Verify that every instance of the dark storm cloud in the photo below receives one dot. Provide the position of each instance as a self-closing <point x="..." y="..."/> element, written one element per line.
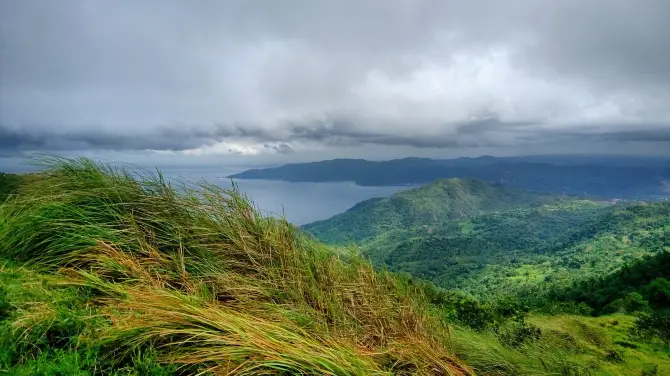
<point x="265" y="76"/>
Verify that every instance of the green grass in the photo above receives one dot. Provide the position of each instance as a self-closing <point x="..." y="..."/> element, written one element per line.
<point x="203" y="281"/>
<point x="111" y="271"/>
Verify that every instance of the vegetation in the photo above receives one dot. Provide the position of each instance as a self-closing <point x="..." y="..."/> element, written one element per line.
<point x="504" y="239"/>
<point x="640" y="285"/>
<point x="9" y="183"/>
<point x="107" y="271"/>
<point x="433" y="205"/>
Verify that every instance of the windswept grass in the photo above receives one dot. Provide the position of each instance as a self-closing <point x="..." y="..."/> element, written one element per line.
<point x="197" y="276"/>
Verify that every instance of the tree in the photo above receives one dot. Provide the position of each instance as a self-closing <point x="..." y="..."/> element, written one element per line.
<point x="659" y="292"/>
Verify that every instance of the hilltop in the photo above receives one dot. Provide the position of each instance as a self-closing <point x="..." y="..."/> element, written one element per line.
<point x="430" y="205"/>
<point x="600" y="177"/>
<point x="111" y="271"/>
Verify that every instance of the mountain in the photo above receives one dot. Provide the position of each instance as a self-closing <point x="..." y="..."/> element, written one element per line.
<point x="602" y="177"/>
<point x="105" y="271"/>
<point x="483" y="239"/>
<point x="430" y="205"/>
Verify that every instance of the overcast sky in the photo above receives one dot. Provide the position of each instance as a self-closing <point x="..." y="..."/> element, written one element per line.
<point x="252" y="81"/>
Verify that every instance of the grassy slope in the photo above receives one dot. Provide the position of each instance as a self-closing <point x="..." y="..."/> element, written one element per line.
<point x="210" y="284"/>
<point x="126" y="276"/>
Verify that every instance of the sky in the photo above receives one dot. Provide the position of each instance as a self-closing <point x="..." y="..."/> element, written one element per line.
<point x="258" y="82"/>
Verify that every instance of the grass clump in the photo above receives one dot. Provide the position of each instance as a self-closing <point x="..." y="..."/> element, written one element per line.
<point x="192" y="277"/>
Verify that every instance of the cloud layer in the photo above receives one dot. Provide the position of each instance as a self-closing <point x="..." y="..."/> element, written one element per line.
<point x="253" y="77"/>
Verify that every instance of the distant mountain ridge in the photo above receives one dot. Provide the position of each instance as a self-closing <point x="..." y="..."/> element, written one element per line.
<point x="601" y="177"/>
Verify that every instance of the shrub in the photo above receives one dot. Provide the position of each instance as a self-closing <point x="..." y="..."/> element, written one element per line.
<point x="659" y="292"/>
<point x="517" y="334"/>
<point x="614" y="356"/>
<point x="650" y="370"/>
<point x="652" y="326"/>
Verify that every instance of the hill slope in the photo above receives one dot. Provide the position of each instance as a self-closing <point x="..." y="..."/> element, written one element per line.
<point x="503" y="251"/>
<point x="431" y="205"/>
<point x="467" y="235"/>
<point x="591" y="177"/>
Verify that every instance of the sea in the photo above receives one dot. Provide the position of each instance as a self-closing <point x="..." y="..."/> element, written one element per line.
<point x="300" y="203"/>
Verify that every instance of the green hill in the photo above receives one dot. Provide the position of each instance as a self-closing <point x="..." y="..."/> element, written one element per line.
<point x="431" y="205"/>
<point x="111" y="272"/>
<point x="483" y="239"/>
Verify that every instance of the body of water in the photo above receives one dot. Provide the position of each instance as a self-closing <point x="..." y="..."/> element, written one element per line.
<point x="302" y="203"/>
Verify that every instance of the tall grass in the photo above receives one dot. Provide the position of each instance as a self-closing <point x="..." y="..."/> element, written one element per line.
<point x="197" y="273"/>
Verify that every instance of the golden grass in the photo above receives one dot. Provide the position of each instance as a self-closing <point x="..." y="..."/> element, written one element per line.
<point x="200" y="275"/>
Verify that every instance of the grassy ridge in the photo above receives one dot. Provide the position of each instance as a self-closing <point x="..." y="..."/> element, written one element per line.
<point x="200" y="279"/>
<point x="115" y="272"/>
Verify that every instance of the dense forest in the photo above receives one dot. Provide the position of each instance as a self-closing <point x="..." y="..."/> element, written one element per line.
<point x="103" y="271"/>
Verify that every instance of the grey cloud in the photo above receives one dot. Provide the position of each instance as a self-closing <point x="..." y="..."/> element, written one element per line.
<point x="335" y="133"/>
<point x="174" y="75"/>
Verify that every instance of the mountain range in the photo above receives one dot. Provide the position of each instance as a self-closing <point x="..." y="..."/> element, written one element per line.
<point x="586" y="176"/>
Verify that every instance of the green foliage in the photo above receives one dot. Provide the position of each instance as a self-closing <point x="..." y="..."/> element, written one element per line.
<point x="517" y="334"/>
<point x="653" y="326"/>
<point x="9" y="183"/>
<point x="650" y="370"/>
<point x="659" y="292"/>
<point x="538" y="241"/>
<point x="432" y="206"/>
<point x="636" y="286"/>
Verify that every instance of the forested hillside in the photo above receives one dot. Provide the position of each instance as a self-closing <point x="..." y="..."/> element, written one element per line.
<point x="508" y="239"/>
<point x="433" y="205"/>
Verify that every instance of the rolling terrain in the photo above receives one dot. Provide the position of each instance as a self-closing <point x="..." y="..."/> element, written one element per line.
<point x="468" y="235"/>
<point x="106" y="271"/>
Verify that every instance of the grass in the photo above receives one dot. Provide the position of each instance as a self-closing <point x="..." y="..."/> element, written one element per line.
<point x="113" y="271"/>
<point x="195" y="275"/>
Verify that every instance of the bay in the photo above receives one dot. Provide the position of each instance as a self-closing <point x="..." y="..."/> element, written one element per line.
<point x="301" y="203"/>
